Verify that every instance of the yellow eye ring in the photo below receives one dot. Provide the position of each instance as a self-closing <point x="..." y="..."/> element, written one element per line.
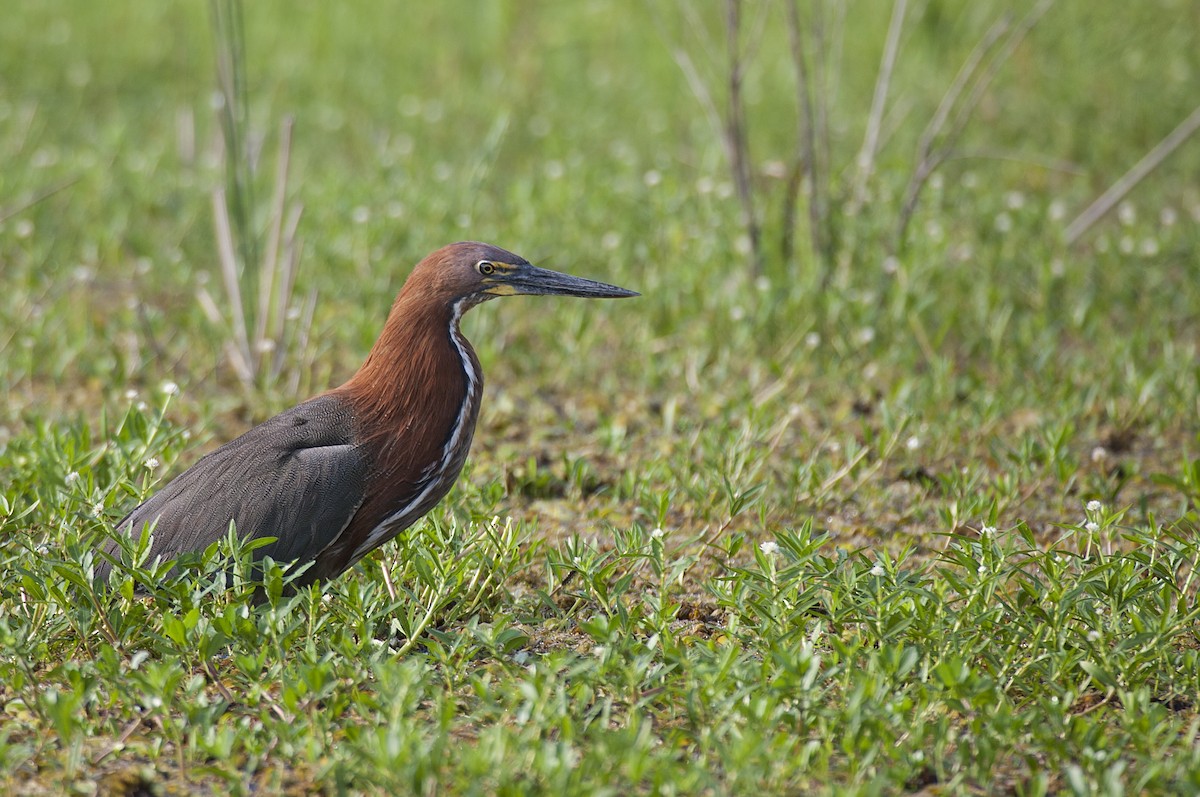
<point x="485" y="268"/>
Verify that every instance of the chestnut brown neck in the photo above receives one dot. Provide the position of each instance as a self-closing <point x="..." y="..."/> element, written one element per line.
<point x="410" y="391"/>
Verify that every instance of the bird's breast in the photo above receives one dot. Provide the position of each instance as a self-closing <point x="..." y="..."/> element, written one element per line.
<point x="417" y="446"/>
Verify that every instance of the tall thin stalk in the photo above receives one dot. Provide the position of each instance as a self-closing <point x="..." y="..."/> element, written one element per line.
<point x="737" y="141"/>
<point x="730" y="127"/>
<point x="836" y="193"/>
<point x="807" y="169"/>
<point x="258" y="274"/>
<point x="941" y="135"/>
<point x="1149" y="162"/>
<point x="883" y="81"/>
<point x="233" y="113"/>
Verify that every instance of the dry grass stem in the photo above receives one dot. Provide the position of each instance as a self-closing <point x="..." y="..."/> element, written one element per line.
<point x="977" y="73"/>
<point x="1118" y="190"/>
<point x="870" y="145"/>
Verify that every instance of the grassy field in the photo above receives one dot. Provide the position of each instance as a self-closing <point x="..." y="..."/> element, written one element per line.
<point x="915" y="517"/>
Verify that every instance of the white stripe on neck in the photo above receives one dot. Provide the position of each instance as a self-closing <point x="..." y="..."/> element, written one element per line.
<point x="432" y="476"/>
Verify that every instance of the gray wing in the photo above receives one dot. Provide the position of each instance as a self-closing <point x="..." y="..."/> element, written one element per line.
<point x="297" y="477"/>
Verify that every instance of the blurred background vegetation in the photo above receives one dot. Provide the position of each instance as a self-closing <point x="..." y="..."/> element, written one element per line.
<point x="569" y="133"/>
<point x="679" y="458"/>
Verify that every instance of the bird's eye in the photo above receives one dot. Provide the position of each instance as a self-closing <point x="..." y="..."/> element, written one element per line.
<point x="485" y="268"/>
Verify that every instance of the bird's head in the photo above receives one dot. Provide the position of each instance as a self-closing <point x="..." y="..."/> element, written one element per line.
<point x="476" y="272"/>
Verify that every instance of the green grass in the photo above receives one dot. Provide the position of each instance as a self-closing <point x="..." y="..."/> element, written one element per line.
<point x="929" y="528"/>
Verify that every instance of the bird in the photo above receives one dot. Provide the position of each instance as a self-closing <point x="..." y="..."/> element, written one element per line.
<point x="344" y="472"/>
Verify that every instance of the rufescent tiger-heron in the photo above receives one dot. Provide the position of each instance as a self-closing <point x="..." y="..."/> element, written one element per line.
<point x="342" y="473"/>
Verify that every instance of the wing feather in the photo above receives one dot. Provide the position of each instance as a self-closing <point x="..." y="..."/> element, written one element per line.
<point x="298" y="477"/>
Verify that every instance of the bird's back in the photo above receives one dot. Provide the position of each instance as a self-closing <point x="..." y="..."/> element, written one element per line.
<point x="299" y="477"/>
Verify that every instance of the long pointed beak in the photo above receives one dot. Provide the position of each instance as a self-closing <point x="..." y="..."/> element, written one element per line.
<point x="542" y="281"/>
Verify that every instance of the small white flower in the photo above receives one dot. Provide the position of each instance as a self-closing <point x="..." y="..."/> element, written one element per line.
<point x="1015" y="200"/>
<point x="97" y="510"/>
<point x="775" y="169"/>
<point x="130" y="394"/>
<point x="657" y="533"/>
<point x="1168" y="216"/>
<point x="1099" y="454"/>
<point x="1092" y="526"/>
<point x="610" y="240"/>
<point x="169" y="388"/>
<point x="141" y="406"/>
<point x="912" y="443"/>
<point x="987" y="531"/>
<point x="361" y="214"/>
<point x="43" y="158"/>
<point x="770" y="547"/>
<point x="1126" y="213"/>
<point x="1004" y="223"/>
<point x="151" y="463"/>
<point x="1094" y="506"/>
<point x="555" y="170"/>
<point x="865" y="335"/>
<point x="1148" y="247"/>
<point x="652" y="178"/>
<point x="1093" y="635"/>
<point x="877" y="570"/>
<point x="1057" y="210"/>
<point x="71" y="477"/>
